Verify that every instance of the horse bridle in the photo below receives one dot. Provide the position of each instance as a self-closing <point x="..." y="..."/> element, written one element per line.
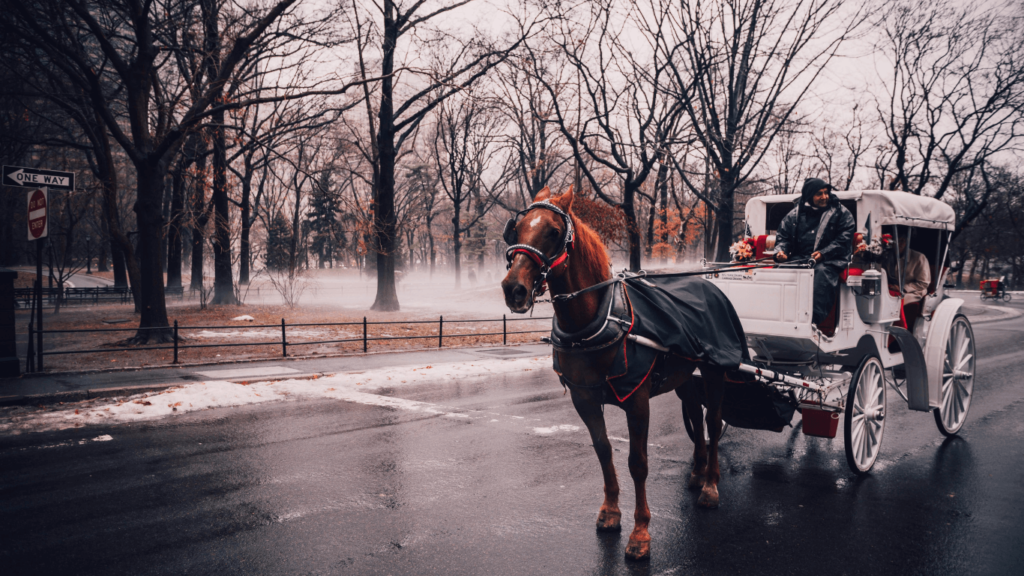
<point x="545" y="264"/>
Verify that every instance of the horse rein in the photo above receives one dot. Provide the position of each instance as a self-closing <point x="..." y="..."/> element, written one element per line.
<point x="545" y="264"/>
<point x="626" y="274"/>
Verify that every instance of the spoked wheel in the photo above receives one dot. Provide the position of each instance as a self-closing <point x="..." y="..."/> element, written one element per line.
<point x="689" y="425"/>
<point x="957" y="377"/>
<point x="865" y="415"/>
<point x="1007" y="297"/>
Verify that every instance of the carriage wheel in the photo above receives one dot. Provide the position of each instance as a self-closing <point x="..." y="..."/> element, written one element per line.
<point x="865" y="415"/>
<point x="1007" y="297"/>
<point x="689" y="425"/>
<point x="957" y="377"/>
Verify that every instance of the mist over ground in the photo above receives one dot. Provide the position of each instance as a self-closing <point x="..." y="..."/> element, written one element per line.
<point x="420" y="293"/>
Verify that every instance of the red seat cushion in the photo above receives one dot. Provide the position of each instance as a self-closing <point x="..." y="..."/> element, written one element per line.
<point x="760" y="244"/>
<point x="850" y="272"/>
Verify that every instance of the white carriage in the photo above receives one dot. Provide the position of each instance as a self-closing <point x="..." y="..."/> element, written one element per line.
<point x="844" y="366"/>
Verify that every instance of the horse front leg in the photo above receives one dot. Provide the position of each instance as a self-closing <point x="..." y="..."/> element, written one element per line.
<point x="609" y="517"/>
<point x="638" y="417"/>
<point x="714" y="390"/>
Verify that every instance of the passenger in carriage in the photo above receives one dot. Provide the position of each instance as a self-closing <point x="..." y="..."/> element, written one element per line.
<point x="917" y="276"/>
<point x="819" y="228"/>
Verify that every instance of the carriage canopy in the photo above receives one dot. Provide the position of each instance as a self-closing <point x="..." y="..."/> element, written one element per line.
<point x="885" y="207"/>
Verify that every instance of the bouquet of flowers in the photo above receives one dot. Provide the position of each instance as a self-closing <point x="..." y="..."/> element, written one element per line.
<point x="743" y="250"/>
<point x="871" y="252"/>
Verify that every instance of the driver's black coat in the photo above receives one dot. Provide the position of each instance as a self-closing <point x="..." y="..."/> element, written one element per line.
<point x="807" y="229"/>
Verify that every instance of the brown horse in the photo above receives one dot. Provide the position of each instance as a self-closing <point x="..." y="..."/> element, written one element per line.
<point x="585" y="263"/>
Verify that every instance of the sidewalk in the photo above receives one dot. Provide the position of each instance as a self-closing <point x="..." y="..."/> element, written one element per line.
<point x="51" y="388"/>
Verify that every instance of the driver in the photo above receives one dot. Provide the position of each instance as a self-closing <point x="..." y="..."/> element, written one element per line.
<point x="819" y="228"/>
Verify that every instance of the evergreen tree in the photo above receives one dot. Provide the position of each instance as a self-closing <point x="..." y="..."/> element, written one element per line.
<point x="279" y="241"/>
<point x="326" y="236"/>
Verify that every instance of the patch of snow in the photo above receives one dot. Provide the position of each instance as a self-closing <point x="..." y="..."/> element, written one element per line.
<point x="554" y="429"/>
<point x="243" y="318"/>
<point x="358" y="387"/>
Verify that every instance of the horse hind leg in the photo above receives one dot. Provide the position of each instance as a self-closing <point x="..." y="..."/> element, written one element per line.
<point x="693" y="411"/>
<point x="609" y="517"/>
<point x="714" y="389"/>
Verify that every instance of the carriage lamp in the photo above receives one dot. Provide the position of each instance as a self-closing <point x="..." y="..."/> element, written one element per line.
<point x="870" y="283"/>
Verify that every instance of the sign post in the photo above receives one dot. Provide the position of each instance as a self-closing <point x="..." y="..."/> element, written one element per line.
<point x="39" y="228"/>
<point x="38" y="223"/>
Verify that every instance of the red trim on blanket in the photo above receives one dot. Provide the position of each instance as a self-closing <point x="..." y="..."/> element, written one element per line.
<point x="625" y="357"/>
<point x="638" y="385"/>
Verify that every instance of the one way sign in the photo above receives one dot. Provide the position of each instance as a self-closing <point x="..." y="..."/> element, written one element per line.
<point x="34" y="178"/>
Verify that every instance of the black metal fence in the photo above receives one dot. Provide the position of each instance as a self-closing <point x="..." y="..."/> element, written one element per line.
<point x="34" y="362"/>
<point x="83" y="296"/>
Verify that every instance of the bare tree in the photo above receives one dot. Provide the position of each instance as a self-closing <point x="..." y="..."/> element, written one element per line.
<point x="624" y="122"/>
<point x="98" y="44"/>
<point x="462" y="146"/>
<point x="954" y="97"/>
<point x="740" y="69"/>
<point x="399" y="112"/>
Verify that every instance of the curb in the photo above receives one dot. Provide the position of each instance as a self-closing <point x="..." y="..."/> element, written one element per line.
<point x="25" y="376"/>
<point x="81" y="395"/>
<point x="1004" y="314"/>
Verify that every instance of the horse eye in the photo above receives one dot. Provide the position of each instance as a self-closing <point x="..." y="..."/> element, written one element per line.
<point x="554" y="233"/>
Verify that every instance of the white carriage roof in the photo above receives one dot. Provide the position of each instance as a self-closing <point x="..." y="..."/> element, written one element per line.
<point x="886" y="208"/>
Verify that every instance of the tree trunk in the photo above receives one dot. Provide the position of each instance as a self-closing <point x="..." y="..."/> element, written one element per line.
<point x="244" y="249"/>
<point x="199" y="217"/>
<point x="101" y="259"/>
<point x="122" y="251"/>
<point x="153" y="324"/>
<point x="724" y="217"/>
<point x="632" y="229"/>
<point x="433" y="250"/>
<point x="384" y="219"/>
<point x="457" y="245"/>
<point x="174" y="226"/>
<point x="117" y="261"/>
<point x="224" y="287"/>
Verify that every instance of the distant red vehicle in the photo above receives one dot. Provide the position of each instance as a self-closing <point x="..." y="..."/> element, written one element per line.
<point x="994" y="289"/>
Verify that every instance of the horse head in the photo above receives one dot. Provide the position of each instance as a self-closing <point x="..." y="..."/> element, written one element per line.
<point x="539" y="246"/>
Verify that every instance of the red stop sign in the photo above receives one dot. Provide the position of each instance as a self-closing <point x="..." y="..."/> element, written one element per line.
<point x="37" y="209"/>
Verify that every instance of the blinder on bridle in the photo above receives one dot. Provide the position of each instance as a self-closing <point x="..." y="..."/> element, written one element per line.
<point x="545" y="264"/>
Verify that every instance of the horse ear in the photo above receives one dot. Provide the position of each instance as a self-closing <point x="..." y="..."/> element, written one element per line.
<point x="544" y="194"/>
<point x="565" y="200"/>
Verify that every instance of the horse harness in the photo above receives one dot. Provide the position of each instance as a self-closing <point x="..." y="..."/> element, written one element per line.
<point x="545" y="264"/>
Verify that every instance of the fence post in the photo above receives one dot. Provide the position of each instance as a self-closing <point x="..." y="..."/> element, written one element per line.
<point x="30" y="354"/>
<point x="364" y="334"/>
<point x="284" y="341"/>
<point x="440" y="332"/>
<point x="175" y="341"/>
<point x="504" y="330"/>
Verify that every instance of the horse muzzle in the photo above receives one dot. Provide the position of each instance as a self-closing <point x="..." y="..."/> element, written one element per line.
<point x="518" y="297"/>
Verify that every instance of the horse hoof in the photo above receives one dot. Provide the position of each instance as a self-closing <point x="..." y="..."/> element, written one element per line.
<point x="696" y="481"/>
<point x="638" y="550"/>
<point x="708" y="497"/>
<point x="609" y="521"/>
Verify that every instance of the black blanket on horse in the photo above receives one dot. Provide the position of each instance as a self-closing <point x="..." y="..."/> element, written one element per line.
<point x="688" y="315"/>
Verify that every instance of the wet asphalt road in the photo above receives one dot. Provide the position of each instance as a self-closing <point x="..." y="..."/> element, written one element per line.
<point x="330" y="487"/>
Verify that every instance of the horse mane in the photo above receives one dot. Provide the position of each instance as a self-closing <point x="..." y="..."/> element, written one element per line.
<point x="590" y="254"/>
